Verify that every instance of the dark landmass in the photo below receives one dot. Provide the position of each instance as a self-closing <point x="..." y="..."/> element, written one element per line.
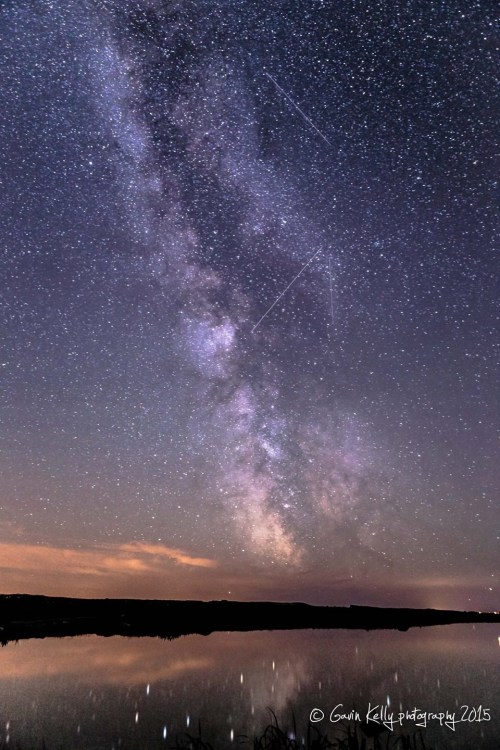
<point x="23" y="616"/>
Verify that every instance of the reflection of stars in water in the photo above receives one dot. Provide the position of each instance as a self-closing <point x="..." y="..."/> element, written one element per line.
<point x="280" y="670"/>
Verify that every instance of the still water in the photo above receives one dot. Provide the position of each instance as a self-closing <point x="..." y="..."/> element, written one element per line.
<point x="94" y="692"/>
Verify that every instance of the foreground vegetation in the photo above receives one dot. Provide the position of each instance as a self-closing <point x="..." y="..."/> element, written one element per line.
<point x="349" y="737"/>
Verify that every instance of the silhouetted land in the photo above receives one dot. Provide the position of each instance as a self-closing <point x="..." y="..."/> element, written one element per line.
<point x="23" y="616"/>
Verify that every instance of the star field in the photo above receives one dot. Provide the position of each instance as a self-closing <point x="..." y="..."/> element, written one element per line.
<point x="168" y="169"/>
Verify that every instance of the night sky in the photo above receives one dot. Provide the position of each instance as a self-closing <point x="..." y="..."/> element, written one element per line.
<point x="168" y="170"/>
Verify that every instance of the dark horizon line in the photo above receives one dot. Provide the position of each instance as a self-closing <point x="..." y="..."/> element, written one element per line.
<point x="36" y="616"/>
<point x="48" y="597"/>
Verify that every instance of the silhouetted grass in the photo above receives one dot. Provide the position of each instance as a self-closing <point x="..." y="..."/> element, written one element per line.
<point x="275" y="738"/>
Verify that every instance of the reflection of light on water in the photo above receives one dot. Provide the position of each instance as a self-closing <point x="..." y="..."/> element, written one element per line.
<point x="233" y="671"/>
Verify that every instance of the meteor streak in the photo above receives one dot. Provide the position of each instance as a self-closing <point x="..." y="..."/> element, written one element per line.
<point x="285" y="290"/>
<point x="294" y="104"/>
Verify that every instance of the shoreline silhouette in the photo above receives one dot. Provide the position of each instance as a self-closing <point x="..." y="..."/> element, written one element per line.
<point x="25" y="616"/>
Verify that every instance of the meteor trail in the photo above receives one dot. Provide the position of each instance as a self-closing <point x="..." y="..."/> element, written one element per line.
<point x="285" y="290"/>
<point x="303" y="114"/>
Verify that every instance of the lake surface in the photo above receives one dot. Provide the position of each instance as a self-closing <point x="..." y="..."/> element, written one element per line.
<point x="94" y="692"/>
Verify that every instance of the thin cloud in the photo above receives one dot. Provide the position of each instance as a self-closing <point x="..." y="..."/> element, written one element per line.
<point x="158" y="550"/>
<point x="123" y="559"/>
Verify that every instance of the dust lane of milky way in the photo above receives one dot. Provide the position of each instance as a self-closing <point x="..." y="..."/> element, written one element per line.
<point x="172" y="422"/>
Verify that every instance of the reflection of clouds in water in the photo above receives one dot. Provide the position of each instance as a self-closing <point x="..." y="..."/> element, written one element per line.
<point x="113" y="661"/>
<point x="284" y="659"/>
<point x="217" y="680"/>
<point x="132" y="662"/>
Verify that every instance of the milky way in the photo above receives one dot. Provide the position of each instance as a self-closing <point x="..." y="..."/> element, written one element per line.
<point x="250" y="289"/>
